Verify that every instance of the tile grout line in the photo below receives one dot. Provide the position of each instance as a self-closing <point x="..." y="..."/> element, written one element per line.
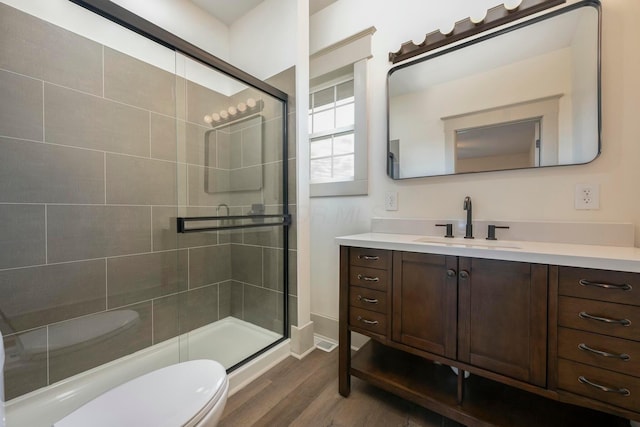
<point x="44" y="139"/>
<point x="104" y="166"/>
<point x="106" y="284"/>
<point x="48" y="359"/>
<point x="46" y="236"/>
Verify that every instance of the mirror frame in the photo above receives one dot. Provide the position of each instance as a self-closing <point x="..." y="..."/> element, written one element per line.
<point x="501" y="31"/>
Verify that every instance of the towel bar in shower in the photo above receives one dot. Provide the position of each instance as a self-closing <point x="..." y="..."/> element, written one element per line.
<point x="257" y="221"/>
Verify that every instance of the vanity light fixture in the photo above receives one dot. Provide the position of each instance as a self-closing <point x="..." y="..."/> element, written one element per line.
<point x="478" y="15"/>
<point x="447" y="28"/>
<point x="233" y="113"/>
<point x="502" y="14"/>
<point x="512" y="5"/>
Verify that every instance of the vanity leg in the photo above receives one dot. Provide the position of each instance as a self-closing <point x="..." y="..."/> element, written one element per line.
<point x="460" y="386"/>
<point x="344" y="339"/>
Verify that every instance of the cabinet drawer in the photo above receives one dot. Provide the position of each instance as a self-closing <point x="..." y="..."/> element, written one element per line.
<point x="368" y="320"/>
<point x="578" y="313"/>
<point x="368" y="299"/>
<point x="369" y="278"/>
<point x="600" y="350"/>
<point x="374" y="258"/>
<point x="606" y="386"/>
<point x="601" y="285"/>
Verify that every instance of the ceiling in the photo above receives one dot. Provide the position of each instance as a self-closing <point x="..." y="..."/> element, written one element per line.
<point x="229" y="11"/>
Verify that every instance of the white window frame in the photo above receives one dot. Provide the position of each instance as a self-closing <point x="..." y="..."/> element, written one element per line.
<point x="336" y="131"/>
<point x="352" y="52"/>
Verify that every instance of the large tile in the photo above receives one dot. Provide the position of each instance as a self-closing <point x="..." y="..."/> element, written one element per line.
<point x="246" y="179"/>
<point x="36" y="296"/>
<point x="137" y="181"/>
<point x="293" y="272"/>
<point x="137" y="278"/>
<point x="164" y="137"/>
<point x="21" y="107"/>
<point x="77" y="119"/>
<point x="231" y="299"/>
<point x="22" y="372"/>
<point x="67" y="360"/>
<point x="202" y="101"/>
<point x="273" y="140"/>
<point x="286" y="82"/>
<point x="134" y="82"/>
<point x="272" y="269"/>
<point x="165" y="229"/>
<point x="273" y="183"/>
<point x="292" y="174"/>
<point x="23" y="240"/>
<point x="86" y="232"/>
<point x="252" y="142"/>
<point x="261" y="307"/>
<point x="207" y="186"/>
<point x="200" y="145"/>
<point x="208" y="265"/>
<point x="176" y="314"/>
<point x="44" y="51"/>
<point x="246" y="264"/>
<point x="32" y="172"/>
<point x="223" y="149"/>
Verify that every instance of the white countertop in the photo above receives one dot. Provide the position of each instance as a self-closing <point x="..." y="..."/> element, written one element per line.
<point x="575" y="255"/>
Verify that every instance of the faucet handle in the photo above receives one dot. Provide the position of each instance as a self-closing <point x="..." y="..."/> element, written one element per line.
<point x="491" y="232"/>
<point x="449" y="229"/>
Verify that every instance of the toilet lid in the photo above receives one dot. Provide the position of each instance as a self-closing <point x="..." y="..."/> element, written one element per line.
<point x="168" y="397"/>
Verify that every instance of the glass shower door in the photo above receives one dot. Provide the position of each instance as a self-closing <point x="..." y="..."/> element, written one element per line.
<point x="232" y="214"/>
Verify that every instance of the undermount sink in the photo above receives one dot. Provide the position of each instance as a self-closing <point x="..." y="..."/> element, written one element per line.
<point x="470" y="243"/>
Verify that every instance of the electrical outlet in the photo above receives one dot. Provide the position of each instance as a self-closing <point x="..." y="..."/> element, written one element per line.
<point x="391" y="201"/>
<point x="587" y="196"/>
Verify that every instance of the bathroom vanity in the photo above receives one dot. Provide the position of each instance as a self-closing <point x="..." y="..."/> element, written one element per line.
<point x="549" y="332"/>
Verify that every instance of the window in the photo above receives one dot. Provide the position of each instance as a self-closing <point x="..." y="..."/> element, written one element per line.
<point x="332" y="128"/>
<point x="338" y="118"/>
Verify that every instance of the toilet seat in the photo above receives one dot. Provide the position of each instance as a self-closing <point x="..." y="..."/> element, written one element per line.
<point x="179" y="395"/>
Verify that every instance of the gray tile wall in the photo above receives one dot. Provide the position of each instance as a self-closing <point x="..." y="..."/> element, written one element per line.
<point x="95" y="155"/>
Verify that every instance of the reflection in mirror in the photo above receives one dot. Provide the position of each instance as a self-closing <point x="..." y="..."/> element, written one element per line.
<point x="526" y="96"/>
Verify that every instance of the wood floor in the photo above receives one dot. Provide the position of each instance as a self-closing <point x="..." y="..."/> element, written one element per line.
<point x="305" y="393"/>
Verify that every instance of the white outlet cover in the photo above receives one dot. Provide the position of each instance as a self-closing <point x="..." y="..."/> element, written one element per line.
<point x="587" y="196"/>
<point x="391" y="201"/>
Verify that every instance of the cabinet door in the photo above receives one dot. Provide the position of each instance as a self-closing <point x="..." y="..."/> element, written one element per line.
<point x="424" y="302"/>
<point x="502" y="317"/>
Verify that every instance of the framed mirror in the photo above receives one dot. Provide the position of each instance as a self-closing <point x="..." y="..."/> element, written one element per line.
<point x="525" y="96"/>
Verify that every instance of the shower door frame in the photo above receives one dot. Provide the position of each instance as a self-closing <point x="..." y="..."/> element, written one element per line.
<point x="139" y="25"/>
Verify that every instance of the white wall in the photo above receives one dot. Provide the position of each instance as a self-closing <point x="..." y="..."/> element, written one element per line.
<point x="527" y="195"/>
<point x="263" y="42"/>
<point x="185" y="20"/>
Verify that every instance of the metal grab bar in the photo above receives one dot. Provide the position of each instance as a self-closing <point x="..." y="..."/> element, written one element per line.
<point x="285" y="220"/>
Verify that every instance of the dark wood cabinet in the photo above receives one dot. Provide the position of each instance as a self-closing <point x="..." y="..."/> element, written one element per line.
<point x="424" y="302"/>
<point x="502" y="318"/>
<point x="516" y="327"/>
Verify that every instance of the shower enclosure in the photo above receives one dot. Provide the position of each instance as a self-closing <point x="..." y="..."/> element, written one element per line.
<point x="144" y="198"/>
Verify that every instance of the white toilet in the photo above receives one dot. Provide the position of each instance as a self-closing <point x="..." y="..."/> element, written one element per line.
<point x="188" y="394"/>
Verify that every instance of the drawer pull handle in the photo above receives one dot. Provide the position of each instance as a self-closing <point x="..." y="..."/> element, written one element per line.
<point x="622" y="322"/>
<point x="368" y="278"/>
<point x="622" y="287"/>
<point x="622" y="391"/>
<point x="623" y="356"/>
<point x="366" y="321"/>
<point x="369" y="257"/>
<point x="367" y="300"/>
